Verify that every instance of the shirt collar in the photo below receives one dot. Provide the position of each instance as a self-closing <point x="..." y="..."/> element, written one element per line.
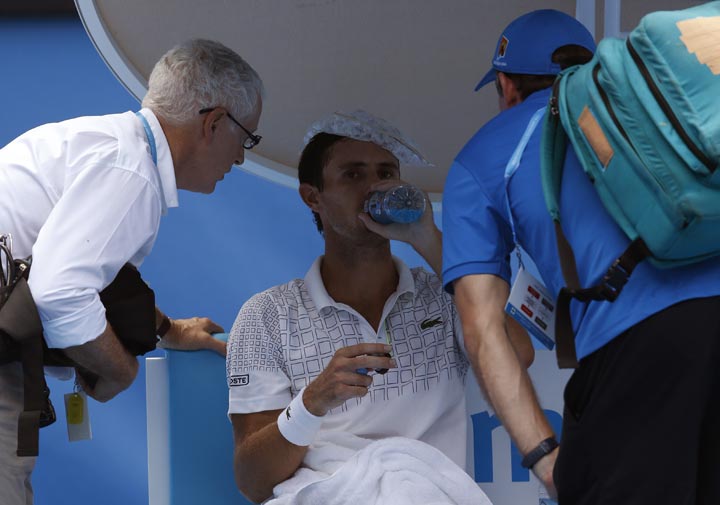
<point x="166" y="169"/>
<point x="321" y="298"/>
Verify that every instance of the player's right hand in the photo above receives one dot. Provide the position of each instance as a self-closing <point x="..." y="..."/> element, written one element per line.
<point x="342" y="378"/>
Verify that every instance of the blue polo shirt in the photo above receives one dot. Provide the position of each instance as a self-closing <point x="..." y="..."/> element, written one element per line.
<point x="477" y="237"/>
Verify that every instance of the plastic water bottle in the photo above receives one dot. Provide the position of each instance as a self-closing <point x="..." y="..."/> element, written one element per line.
<point x="402" y="204"/>
<point x="544" y="497"/>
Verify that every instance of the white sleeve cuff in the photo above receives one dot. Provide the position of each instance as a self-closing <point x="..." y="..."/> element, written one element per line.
<point x="77" y="328"/>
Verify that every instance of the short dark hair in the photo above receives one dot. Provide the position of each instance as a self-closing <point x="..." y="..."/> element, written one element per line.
<point x="312" y="161"/>
<point x="565" y="56"/>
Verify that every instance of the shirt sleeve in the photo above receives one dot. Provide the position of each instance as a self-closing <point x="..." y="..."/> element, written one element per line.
<point x="256" y="366"/>
<point x="103" y="219"/>
<point x="476" y="236"/>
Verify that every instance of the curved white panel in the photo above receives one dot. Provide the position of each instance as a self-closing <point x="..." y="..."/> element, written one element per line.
<point x="136" y="84"/>
<point x="415" y="64"/>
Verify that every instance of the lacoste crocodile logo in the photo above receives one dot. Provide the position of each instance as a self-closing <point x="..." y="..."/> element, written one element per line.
<point x="429" y="323"/>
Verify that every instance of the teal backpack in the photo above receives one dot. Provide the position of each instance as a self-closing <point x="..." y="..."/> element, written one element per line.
<point x="643" y="117"/>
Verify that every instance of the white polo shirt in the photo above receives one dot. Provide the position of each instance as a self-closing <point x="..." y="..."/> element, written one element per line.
<point x="284" y="337"/>
<point x="83" y="197"/>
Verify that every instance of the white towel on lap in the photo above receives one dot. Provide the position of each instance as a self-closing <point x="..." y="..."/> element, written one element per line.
<point x="342" y="469"/>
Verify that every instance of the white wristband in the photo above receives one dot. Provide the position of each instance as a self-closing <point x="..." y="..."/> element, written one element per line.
<point x="297" y="424"/>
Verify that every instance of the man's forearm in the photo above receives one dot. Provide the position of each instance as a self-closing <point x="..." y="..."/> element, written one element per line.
<point x="106" y="358"/>
<point x="264" y="460"/>
<point x="430" y="248"/>
<point x="508" y="387"/>
<point x="480" y="300"/>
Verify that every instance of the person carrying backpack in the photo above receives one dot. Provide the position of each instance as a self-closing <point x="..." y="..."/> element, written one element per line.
<point x="641" y="416"/>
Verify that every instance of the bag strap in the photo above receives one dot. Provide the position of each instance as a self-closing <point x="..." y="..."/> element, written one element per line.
<point x="552" y="154"/>
<point x="20" y="319"/>
<point x="126" y="298"/>
<point x="554" y="148"/>
<point x="552" y="164"/>
<point x="608" y="289"/>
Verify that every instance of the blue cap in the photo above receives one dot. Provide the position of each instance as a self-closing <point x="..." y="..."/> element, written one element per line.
<point x="527" y="44"/>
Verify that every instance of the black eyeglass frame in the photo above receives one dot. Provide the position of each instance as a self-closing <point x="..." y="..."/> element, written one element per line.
<point x="251" y="141"/>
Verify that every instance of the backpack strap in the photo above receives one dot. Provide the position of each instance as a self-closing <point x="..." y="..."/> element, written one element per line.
<point x="554" y="148"/>
<point x="552" y="163"/>
<point x="608" y="289"/>
<point x="552" y="154"/>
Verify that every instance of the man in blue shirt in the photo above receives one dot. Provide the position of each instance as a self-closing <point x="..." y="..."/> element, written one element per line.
<point x="640" y="415"/>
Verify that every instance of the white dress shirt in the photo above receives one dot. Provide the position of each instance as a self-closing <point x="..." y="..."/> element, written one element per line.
<point x="83" y="197"/>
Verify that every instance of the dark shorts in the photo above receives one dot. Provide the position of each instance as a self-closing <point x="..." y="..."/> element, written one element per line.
<point x="642" y="414"/>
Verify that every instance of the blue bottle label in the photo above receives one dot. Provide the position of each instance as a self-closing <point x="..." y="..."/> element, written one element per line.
<point x="401" y="204"/>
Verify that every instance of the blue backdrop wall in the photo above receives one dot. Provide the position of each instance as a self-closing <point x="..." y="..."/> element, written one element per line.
<point x="213" y="252"/>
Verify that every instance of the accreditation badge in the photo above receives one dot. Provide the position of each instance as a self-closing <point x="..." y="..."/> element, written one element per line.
<point x="531" y="304"/>
<point x="77" y="415"/>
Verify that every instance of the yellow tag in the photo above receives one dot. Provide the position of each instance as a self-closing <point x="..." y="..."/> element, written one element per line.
<point x="77" y="416"/>
<point x="75" y="408"/>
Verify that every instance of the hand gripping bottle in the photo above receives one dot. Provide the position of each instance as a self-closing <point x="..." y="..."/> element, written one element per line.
<point x="402" y="204"/>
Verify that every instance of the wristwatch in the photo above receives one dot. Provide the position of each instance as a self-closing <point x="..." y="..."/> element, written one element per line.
<point x="543" y="449"/>
<point x="163" y="328"/>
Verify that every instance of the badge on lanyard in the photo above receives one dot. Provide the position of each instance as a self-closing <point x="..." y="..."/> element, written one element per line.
<point x="532" y="306"/>
<point x="530" y="302"/>
<point x="76" y="415"/>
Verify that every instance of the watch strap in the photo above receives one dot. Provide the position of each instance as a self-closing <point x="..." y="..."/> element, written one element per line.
<point x="543" y="449"/>
<point x="164" y="327"/>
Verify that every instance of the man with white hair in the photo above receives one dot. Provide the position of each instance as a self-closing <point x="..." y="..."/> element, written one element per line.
<point x="306" y="414"/>
<point x="98" y="187"/>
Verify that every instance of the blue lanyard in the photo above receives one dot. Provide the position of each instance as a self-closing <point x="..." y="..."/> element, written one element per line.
<point x="513" y="165"/>
<point x="150" y="136"/>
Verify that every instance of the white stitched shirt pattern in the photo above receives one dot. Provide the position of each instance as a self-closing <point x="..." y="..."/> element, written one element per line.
<point x="284" y="337"/>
